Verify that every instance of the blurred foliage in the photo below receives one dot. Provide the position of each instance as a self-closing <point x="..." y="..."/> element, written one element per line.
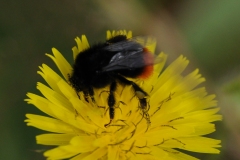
<point x="207" y="32"/>
<point x="233" y="87"/>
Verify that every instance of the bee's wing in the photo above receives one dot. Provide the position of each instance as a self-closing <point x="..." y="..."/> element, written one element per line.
<point x="125" y="60"/>
<point x="130" y="55"/>
<point x="131" y="44"/>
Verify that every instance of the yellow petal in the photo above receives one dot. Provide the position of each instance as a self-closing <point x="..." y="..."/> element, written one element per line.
<point x="62" y="64"/>
<point x="48" y="124"/>
<point x="54" y="139"/>
<point x="50" y="77"/>
<point x="98" y="153"/>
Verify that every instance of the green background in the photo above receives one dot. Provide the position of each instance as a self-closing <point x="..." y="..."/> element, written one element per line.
<point x="207" y="32"/>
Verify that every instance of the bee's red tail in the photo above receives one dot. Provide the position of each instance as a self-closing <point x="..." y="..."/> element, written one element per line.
<point x="149" y="61"/>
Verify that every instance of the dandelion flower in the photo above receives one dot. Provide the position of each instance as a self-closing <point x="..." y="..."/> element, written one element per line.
<point x="178" y="117"/>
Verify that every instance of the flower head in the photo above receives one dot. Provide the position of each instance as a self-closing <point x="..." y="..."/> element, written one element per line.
<point x="177" y="116"/>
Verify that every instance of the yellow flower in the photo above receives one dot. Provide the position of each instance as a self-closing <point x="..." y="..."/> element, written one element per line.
<point x="177" y="117"/>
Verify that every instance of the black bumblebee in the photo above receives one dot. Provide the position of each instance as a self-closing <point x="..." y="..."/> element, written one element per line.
<point x="109" y="63"/>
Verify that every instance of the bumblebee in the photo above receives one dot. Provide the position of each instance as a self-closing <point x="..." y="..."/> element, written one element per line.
<point x="111" y="63"/>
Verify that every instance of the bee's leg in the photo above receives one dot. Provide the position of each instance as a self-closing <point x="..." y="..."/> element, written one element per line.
<point x="111" y="101"/>
<point x="91" y="94"/>
<point x="85" y="94"/>
<point x="145" y="109"/>
<point x="138" y="91"/>
<point x="140" y="94"/>
<point x="78" y="95"/>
